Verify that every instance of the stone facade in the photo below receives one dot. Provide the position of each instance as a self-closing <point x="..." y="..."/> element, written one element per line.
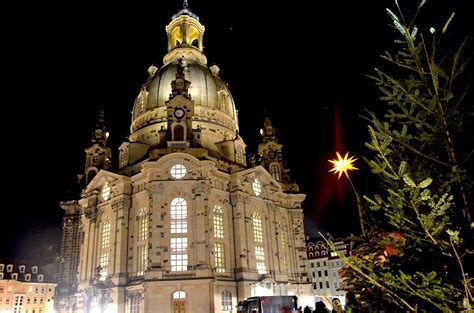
<point x="185" y="224"/>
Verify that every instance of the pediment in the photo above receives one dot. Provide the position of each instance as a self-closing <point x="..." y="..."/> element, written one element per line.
<point x="100" y="179"/>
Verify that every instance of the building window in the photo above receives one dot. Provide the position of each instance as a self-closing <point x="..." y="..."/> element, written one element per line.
<point x="22" y="268"/>
<point x="325" y="272"/>
<point x="260" y="257"/>
<point x="178" y="171"/>
<point x="105" y="235"/>
<point x="104" y="255"/>
<point x="1" y="277"/>
<point x="257" y="187"/>
<point x="34" y="269"/>
<point x="226" y="300"/>
<point x="179" y="295"/>
<point x="179" y="223"/>
<point x="28" y="277"/>
<point x="135" y="302"/>
<point x="15" y="276"/>
<point x="327" y="284"/>
<point x="239" y="155"/>
<point x="283" y="248"/>
<point x="103" y="264"/>
<point x="219" y="257"/>
<point x="257" y="228"/>
<point x="218" y="222"/>
<point x="142" y="257"/>
<point x="312" y="264"/>
<point x="275" y="171"/>
<point x="2" y="266"/>
<point x="124" y="157"/>
<point x="105" y="191"/>
<point x="179" y="256"/>
<point x="320" y="285"/>
<point x="319" y="273"/>
<point x="9" y="268"/>
<point x="143" y="225"/>
<point x="40" y="277"/>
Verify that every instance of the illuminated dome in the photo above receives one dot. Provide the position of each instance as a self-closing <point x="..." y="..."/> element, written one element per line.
<point x="214" y="108"/>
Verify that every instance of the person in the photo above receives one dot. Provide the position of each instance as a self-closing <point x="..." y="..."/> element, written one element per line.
<point x="336" y="306"/>
<point x="321" y="307"/>
<point x="307" y="309"/>
<point x="352" y="305"/>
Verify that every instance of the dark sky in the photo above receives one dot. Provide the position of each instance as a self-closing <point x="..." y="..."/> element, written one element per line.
<point x="301" y="62"/>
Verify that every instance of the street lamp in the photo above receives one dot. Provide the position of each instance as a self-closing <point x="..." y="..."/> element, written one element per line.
<point x="343" y="165"/>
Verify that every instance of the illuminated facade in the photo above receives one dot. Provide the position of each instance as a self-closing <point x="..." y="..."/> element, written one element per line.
<point x="25" y="289"/>
<point x="184" y="224"/>
<point x="323" y="267"/>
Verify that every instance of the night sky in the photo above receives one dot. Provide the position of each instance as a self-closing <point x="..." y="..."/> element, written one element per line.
<point x="301" y="63"/>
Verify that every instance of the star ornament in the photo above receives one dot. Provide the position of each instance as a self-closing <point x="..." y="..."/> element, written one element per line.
<point x="342" y="165"/>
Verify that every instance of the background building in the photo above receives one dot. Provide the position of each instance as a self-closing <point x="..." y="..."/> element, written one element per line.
<point x="323" y="267"/>
<point x="26" y="288"/>
<point x="189" y="222"/>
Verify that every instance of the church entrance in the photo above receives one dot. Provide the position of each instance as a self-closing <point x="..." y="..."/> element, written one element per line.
<point x="179" y="306"/>
<point x="179" y="302"/>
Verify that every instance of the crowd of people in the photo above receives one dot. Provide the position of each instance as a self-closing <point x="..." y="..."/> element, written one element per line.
<point x="351" y="306"/>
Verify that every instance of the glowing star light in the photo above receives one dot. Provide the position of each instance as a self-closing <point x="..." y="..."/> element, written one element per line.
<point x="342" y="165"/>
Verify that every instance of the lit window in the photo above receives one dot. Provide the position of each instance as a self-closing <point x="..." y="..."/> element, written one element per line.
<point x="257" y="228"/>
<point x="142" y="224"/>
<point x="239" y="157"/>
<point x="260" y="257"/>
<point x="178" y="171"/>
<point x="218" y="222"/>
<point x="275" y="171"/>
<point x="179" y="223"/>
<point x="124" y="157"/>
<point x="179" y="295"/>
<point x="219" y="257"/>
<point x="226" y="301"/>
<point x="105" y="235"/>
<point x="179" y="256"/>
<point x="257" y="187"/>
<point x="142" y="256"/>
<point x="106" y="191"/>
<point x="104" y="264"/>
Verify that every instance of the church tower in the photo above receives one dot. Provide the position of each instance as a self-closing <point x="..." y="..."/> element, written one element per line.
<point x="185" y="224"/>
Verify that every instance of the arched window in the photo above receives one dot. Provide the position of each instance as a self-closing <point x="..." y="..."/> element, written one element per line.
<point x="104" y="246"/>
<point x="257" y="228"/>
<point x="105" y="191"/>
<point x="218" y="222"/>
<point x="311" y="254"/>
<point x="178" y="133"/>
<point x="317" y="253"/>
<point x="193" y="36"/>
<point x="226" y="300"/>
<point x="176" y="38"/>
<point x="142" y="249"/>
<point x="258" y="239"/>
<point x="179" y="302"/>
<point x="275" y="171"/>
<point x="179" y="225"/>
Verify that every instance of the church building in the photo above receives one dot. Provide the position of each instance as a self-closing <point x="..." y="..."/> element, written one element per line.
<point x="185" y="222"/>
